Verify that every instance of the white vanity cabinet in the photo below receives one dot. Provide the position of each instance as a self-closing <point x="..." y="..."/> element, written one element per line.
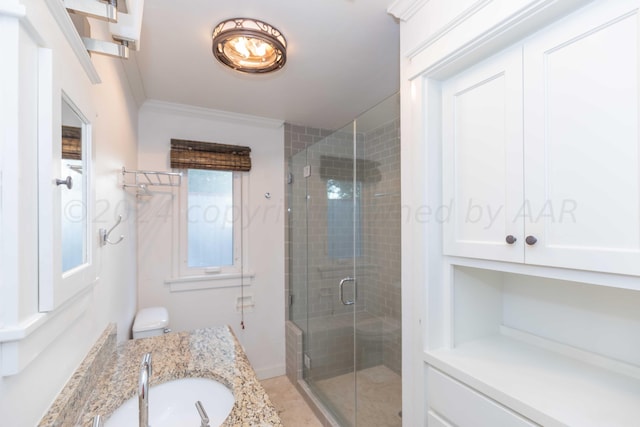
<point x="541" y="152"/>
<point x="520" y="120"/>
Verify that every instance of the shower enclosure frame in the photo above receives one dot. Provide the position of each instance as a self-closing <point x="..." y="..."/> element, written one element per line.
<point x="344" y="264"/>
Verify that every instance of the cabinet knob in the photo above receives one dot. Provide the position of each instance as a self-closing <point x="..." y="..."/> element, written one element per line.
<point x="531" y="240"/>
<point x="510" y="239"/>
<point x="68" y="182"/>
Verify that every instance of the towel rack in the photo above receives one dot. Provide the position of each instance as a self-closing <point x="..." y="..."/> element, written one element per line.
<point x="141" y="180"/>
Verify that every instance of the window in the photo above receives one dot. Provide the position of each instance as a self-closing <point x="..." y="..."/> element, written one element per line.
<point x="210" y="243"/>
<point x="344" y="224"/>
<point x="210" y="227"/>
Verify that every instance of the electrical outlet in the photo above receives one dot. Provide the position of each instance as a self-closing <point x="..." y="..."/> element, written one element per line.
<point x="307" y="361"/>
<point x="245" y="303"/>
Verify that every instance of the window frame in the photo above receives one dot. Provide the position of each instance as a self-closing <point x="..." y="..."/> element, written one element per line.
<point x="181" y="271"/>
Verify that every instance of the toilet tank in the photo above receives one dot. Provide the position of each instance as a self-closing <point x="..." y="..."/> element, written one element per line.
<point x="150" y="322"/>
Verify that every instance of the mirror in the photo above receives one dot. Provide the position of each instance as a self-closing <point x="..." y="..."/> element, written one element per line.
<point x="73" y="194"/>
<point x="65" y="201"/>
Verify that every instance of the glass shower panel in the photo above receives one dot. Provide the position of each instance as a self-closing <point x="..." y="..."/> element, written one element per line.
<point x="378" y="313"/>
<point x="332" y="206"/>
<point x="297" y="240"/>
<point x="344" y="237"/>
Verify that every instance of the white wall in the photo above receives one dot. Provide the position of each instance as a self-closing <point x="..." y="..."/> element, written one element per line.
<point x="26" y="396"/>
<point x="263" y="337"/>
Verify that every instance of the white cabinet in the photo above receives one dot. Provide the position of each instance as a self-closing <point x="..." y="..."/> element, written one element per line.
<point x="540" y="142"/>
<point x="582" y="151"/>
<point x="520" y="119"/>
<point x="482" y="159"/>
<point x="532" y="302"/>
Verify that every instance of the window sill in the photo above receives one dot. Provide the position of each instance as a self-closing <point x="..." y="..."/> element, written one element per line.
<point x="209" y="281"/>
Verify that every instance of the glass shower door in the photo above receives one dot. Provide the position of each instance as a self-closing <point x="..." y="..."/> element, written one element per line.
<point x="334" y="240"/>
<point x="345" y="268"/>
<point x="378" y="313"/>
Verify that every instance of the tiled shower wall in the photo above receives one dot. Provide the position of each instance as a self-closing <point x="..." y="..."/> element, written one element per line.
<point x="327" y="324"/>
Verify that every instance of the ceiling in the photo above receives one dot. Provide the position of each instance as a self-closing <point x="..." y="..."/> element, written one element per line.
<point x="342" y="58"/>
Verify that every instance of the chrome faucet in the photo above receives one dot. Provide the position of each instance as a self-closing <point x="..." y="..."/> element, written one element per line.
<point x="143" y="390"/>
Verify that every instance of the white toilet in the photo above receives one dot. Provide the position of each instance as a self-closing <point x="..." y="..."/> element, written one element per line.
<point x="150" y="322"/>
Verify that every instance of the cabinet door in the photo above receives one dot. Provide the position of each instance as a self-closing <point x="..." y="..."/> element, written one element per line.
<point x="582" y="163"/>
<point x="482" y="159"/>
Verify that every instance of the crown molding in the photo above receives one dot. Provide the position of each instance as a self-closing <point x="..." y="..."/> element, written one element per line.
<point x="458" y="20"/>
<point x="405" y="9"/>
<point x="514" y="24"/>
<point x="210" y="114"/>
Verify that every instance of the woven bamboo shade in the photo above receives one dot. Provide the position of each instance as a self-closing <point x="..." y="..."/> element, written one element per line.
<point x="208" y="155"/>
<point x="71" y="143"/>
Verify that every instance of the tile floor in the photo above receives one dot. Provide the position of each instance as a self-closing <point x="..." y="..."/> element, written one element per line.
<point x="291" y="406"/>
<point x="379" y="401"/>
<point x="379" y="396"/>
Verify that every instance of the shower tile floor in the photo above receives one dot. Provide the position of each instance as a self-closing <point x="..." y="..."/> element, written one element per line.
<point x="379" y="396"/>
<point x="379" y="388"/>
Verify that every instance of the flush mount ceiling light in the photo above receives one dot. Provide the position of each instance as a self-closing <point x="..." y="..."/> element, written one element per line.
<point x="249" y="45"/>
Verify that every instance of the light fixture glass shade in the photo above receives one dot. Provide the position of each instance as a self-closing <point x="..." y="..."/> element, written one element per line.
<point x="249" y="45"/>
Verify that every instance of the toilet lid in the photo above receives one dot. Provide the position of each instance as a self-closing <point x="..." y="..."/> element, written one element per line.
<point x="151" y="318"/>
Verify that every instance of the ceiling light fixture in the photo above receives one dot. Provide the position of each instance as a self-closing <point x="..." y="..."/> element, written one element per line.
<point x="249" y="45"/>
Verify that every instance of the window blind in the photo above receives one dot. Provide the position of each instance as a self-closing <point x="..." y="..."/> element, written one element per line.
<point x="187" y="154"/>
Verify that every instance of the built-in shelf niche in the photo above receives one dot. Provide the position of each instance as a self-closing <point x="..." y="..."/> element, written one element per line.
<point x="556" y="351"/>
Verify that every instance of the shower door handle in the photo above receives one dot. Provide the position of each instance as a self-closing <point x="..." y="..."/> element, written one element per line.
<point x="355" y="287"/>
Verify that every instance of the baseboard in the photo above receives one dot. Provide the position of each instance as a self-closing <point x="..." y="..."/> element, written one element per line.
<point x="270" y="371"/>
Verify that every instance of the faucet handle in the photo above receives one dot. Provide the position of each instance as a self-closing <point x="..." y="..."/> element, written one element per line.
<point x="203" y="414"/>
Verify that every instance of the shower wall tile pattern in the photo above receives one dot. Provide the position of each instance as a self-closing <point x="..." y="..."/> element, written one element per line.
<point x="294" y="352"/>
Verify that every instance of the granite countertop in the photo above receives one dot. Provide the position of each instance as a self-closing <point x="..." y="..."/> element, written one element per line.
<point x="213" y="353"/>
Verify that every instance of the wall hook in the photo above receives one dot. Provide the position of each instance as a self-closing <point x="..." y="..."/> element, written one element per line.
<point x="104" y="234"/>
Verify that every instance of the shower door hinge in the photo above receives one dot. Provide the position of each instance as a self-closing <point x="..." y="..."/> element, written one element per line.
<point x="307" y="361"/>
<point x="290" y="300"/>
<point x="306" y="171"/>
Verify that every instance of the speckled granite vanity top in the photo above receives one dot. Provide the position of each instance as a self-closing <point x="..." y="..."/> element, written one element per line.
<point x="206" y="353"/>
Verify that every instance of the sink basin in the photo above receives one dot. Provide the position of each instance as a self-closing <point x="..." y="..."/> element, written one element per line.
<point x="174" y="404"/>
